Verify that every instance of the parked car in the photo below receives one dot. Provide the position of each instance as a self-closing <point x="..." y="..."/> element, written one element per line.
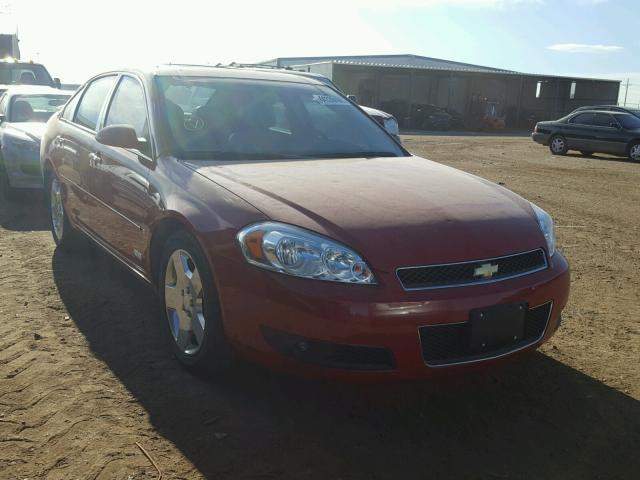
<point x="610" y="108"/>
<point x="15" y="72"/>
<point x="278" y="222"/>
<point x="590" y="131"/>
<point x="24" y="111"/>
<point x="429" y="117"/>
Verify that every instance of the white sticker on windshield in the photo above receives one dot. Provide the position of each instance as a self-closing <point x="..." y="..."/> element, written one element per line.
<point x="329" y="100"/>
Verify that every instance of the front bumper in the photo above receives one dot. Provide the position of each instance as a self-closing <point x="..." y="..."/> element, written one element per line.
<point x="541" y="138"/>
<point x="23" y="167"/>
<point x="379" y="322"/>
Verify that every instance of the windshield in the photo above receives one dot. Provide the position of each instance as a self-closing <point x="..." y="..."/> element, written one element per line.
<point x="628" y="122"/>
<point x="35" y="108"/>
<point x="223" y="118"/>
<point x="24" y="74"/>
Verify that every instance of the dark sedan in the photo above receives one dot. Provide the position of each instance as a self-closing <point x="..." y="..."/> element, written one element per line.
<point x="610" y="108"/>
<point x="591" y="131"/>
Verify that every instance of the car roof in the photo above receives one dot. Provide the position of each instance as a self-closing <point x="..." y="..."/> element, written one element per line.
<point x="188" y="70"/>
<point x="35" y="90"/>
<point x="603" y="111"/>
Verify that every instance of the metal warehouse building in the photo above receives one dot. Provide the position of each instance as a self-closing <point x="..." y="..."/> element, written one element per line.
<point x="410" y="86"/>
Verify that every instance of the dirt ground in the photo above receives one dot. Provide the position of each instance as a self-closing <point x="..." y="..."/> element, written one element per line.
<point x="84" y="373"/>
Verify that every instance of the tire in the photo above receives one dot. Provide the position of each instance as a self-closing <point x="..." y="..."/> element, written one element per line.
<point x="558" y="145"/>
<point x="6" y="190"/>
<point x="634" y="152"/>
<point x="186" y="302"/>
<point x="586" y="154"/>
<point x="64" y="235"/>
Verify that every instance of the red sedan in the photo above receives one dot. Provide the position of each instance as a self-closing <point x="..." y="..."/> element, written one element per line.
<point x="278" y="221"/>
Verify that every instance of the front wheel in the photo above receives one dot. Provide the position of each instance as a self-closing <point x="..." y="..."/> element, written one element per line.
<point x="634" y="152"/>
<point x="558" y="145"/>
<point x="64" y="235"/>
<point x="190" y="306"/>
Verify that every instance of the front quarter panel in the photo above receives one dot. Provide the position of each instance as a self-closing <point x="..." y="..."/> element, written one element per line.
<point x="210" y="212"/>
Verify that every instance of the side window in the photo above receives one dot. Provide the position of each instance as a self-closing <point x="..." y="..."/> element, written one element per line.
<point x="70" y="107"/>
<point x="604" y="120"/>
<point x="128" y="107"/>
<point x="583" y="119"/>
<point x="88" y="111"/>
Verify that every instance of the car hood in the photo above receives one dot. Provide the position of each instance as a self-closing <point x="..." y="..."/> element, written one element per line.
<point x="33" y="130"/>
<point x="396" y="211"/>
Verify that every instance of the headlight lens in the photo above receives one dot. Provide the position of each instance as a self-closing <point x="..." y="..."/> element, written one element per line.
<point x="295" y="251"/>
<point x="391" y="126"/>
<point x="546" y="225"/>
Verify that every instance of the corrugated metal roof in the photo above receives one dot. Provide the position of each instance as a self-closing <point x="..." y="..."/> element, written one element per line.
<point x="449" y="67"/>
<point x="411" y="62"/>
<point x="387" y="60"/>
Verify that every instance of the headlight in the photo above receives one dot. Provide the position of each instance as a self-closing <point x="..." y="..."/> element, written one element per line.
<point x="287" y="249"/>
<point x="391" y="126"/>
<point x="546" y="225"/>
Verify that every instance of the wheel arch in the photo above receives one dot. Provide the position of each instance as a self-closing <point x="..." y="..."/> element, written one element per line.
<point x="160" y="233"/>
<point x="632" y="142"/>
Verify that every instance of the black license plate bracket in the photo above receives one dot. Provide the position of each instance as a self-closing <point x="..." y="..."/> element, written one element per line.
<point x="498" y="326"/>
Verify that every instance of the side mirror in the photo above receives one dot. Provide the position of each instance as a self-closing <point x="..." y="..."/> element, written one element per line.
<point x="353" y="98"/>
<point x="57" y="83"/>
<point x="123" y="136"/>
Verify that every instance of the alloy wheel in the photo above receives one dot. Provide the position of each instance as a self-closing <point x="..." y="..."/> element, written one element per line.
<point x="634" y="153"/>
<point x="57" y="209"/>
<point x="183" y="295"/>
<point x="557" y="145"/>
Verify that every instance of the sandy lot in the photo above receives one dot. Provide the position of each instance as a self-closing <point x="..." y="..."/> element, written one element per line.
<point x="84" y="374"/>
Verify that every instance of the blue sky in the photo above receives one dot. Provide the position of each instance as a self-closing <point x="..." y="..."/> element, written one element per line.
<point x="78" y="38"/>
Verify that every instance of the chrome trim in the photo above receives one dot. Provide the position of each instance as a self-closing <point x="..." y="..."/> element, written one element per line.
<point x="510" y="352"/>
<point x="130" y="266"/>
<point x="478" y="282"/>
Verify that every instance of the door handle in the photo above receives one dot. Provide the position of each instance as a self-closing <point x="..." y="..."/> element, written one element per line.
<point x="140" y="180"/>
<point x="95" y="159"/>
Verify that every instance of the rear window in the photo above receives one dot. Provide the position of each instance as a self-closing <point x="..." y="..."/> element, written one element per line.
<point x="583" y="119"/>
<point x="35" y="108"/>
<point x="24" y="74"/>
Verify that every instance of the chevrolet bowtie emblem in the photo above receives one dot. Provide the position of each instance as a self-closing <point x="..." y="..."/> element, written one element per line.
<point x="486" y="270"/>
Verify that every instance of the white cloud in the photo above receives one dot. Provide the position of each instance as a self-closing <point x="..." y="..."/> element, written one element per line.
<point x="584" y="48"/>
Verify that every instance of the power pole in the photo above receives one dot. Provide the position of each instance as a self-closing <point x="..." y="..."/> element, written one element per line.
<point x="626" y="91"/>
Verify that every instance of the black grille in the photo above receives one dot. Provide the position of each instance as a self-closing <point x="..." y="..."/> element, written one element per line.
<point x="450" y="343"/>
<point x="354" y="357"/>
<point x="456" y="274"/>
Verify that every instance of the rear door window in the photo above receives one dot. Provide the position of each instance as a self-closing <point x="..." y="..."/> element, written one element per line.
<point x="88" y="111"/>
<point x="604" y="120"/>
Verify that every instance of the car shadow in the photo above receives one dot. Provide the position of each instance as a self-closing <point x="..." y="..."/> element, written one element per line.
<point x="536" y="418"/>
<point x="24" y="212"/>
<point x="598" y="156"/>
